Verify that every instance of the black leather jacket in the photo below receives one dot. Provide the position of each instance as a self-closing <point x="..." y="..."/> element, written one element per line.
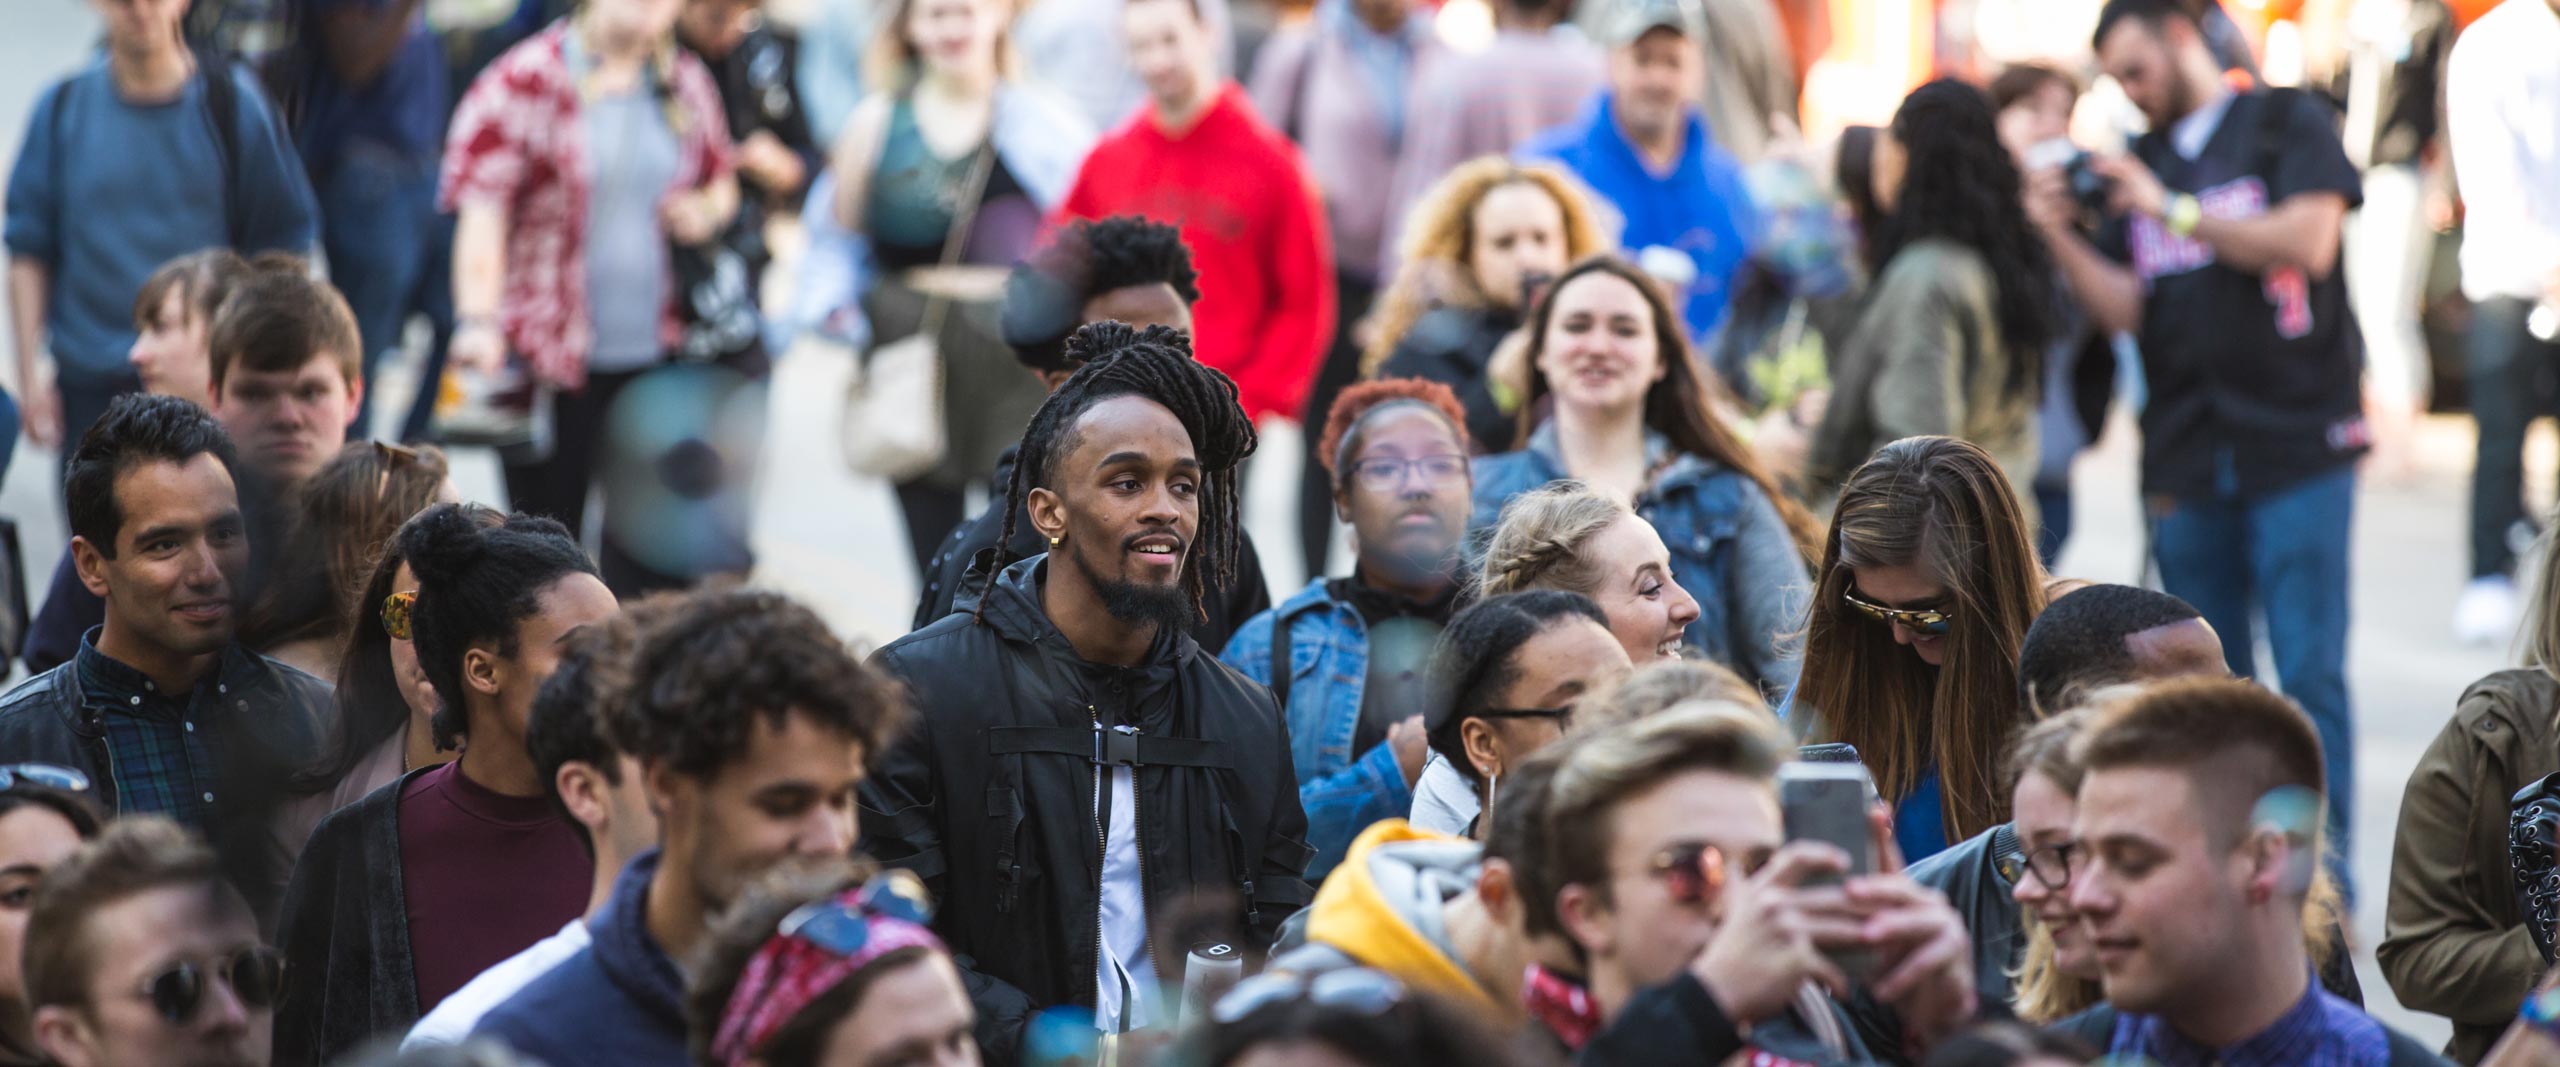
<point x="991" y="798"/>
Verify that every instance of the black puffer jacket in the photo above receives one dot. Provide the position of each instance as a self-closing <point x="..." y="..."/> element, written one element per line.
<point x="990" y="797"/>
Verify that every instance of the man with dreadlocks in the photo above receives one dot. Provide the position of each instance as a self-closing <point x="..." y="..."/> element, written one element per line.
<point x="1078" y="764"/>
<point x="1124" y="269"/>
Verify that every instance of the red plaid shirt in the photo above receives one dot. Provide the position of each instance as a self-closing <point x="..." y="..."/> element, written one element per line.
<point x="516" y="143"/>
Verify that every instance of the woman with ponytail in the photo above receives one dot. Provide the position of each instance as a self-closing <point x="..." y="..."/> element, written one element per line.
<point x="406" y="895"/>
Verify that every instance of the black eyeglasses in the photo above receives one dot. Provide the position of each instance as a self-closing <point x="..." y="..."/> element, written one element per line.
<point x="1381" y="475"/>
<point x="2051" y="865"/>
<point x="48" y="775"/>
<point x="1563" y="716"/>
<point x="253" y="975"/>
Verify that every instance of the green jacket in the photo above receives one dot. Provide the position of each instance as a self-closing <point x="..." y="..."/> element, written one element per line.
<point x="2453" y="942"/>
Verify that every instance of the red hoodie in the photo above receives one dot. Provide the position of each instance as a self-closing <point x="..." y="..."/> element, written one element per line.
<point x="1250" y="214"/>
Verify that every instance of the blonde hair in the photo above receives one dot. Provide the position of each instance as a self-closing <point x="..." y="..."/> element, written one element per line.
<point x="1662" y="685"/>
<point x="1438" y="246"/>
<point x="891" y="64"/>
<point x="1606" y="767"/>
<point x="1538" y="544"/>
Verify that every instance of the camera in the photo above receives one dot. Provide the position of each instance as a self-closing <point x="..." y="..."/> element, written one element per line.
<point x="2089" y="188"/>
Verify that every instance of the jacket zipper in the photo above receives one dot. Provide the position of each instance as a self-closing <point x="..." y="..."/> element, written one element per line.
<point x="1137" y="845"/>
<point x="1102" y="839"/>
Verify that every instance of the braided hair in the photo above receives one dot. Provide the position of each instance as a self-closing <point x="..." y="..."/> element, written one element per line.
<point x="1538" y="544"/>
<point x="1155" y="363"/>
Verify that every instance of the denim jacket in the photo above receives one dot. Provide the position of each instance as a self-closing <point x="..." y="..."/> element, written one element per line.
<point x="1328" y="666"/>
<point x="1730" y="548"/>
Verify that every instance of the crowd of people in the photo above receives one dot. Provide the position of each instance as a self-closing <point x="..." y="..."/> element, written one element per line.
<point x="1685" y="477"/>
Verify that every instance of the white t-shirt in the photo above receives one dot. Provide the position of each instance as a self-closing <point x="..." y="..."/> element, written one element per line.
<point x="1123" y="970"/>
<point x="1443" y="802"/>
<point x="453" y="1020"/>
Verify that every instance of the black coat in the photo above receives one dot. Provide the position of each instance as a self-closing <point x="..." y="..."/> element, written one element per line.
<point x="1453" y="346"/>
<point x="350" y="974"/>
<point x="990" y="797"/>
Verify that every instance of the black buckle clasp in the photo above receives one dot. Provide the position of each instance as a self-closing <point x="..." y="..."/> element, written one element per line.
<point x="1115" y="748"/>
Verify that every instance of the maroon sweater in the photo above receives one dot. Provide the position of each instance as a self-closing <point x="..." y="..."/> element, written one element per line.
<point x="485" y="875"/>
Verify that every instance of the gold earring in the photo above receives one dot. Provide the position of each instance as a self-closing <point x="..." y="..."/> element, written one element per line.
<point x="1053" y="542"/>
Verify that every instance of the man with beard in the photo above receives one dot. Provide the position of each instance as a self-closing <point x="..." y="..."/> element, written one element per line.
<point x="750" y="723"/>
<point x="1078" y="764"/>
<point x="1345" y="658"/>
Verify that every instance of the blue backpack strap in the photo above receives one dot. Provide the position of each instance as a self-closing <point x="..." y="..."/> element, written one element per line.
<point x="222" y="107"/>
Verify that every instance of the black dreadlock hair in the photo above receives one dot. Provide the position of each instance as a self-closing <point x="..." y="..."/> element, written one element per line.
<point x="1155" y="363"/>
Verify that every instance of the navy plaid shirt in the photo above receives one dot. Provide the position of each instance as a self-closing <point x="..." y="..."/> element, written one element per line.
<point x="2320" y="1031"/>
<point x="163" y="752"/>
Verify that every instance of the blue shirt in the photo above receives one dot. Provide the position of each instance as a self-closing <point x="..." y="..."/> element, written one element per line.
<point x="108" y="191"/>
<point x="619" y="1002"/>
<point x="401" y="112"/>
<point x="1699" y="207"/>
<point x="1920" y="820"/>
<point x="2319" y="1031"/>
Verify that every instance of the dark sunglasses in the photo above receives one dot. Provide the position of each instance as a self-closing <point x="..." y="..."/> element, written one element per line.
<point x="253" y="975"/>
<point x="2051" y="865"/>
<point x="1563" y="716"/>
<point x="48" y="775"/>
<point x="1358" y="990"/>
<point x="844" y="929"/>
<point x="1928" y="623"/>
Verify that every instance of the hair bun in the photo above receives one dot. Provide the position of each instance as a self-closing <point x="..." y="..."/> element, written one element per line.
<point x="445" y="540"/>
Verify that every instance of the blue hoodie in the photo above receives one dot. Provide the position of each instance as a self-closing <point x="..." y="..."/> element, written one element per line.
<point x="1700" y="207"/>
<point x="618" y="1003"/>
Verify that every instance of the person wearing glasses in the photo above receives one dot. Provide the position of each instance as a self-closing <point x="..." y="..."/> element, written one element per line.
<point x="1504" y="678"/>
<point x="750" y="723"/>
<point x="44" y="817"/>
<point x="1635" y="420"/>
<point x="140" y="954"/>
<point x="1709" y="934"/>
<point x="1345" y="658"/>
<point x="1928" y="582"/>
<point x="1356" y="1017"/>
<point x="817" y="966"/>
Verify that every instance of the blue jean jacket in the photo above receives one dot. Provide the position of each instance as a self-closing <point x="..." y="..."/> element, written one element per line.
<point x="1328" y="667"/>
<point x="1730" y="548"/>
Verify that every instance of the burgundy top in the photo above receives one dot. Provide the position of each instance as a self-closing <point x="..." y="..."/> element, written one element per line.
<point x="485" y="875"/>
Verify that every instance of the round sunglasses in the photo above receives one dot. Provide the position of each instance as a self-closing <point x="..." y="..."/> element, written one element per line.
<point x="254" y="975"/>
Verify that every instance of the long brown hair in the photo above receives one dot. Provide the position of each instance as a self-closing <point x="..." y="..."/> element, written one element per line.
<point x="342" y="519"/>
<point x="1438" y="247"/>
<point x="1940" y="503"/>
<point x="1682" y="405"/>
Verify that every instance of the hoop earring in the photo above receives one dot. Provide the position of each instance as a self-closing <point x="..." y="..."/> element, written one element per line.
<point x="1492" y="793"/>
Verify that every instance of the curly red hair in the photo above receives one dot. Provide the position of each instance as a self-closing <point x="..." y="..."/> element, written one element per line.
<point x="1357" y="400"/>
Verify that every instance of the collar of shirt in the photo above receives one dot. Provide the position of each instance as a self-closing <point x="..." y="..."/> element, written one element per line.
<point x="2192" y="133"/>
<point x="2318" y="1031"/>
<point x="1377" y="605"/>
<point x="104" y="680"/>
<point x="1563" y="1004"/>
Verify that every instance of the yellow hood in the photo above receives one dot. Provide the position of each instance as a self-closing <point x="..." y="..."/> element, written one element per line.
<point x="1373" y="908"/>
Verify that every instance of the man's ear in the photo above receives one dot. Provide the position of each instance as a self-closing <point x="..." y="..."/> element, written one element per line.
<point x="582" y="791"/>
<point x="1585" y="919"/>
<point x="355" y="394"/>
<point x="1497" y="892"/>
<point x="91" y="565"/>
<point x="658" y="783"/>
<point x="62" y="1032"/>
<point x="482" y="671"/>
<point x="1048" y="513"/>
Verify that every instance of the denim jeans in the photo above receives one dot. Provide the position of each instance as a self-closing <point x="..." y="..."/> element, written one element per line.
<point x="390" y="253"/>
<point x="2513" y="379"/>
<point x="2283" y="556"/>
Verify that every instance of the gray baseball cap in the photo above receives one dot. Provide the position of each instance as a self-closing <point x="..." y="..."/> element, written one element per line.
<point x="1625" y="21"/>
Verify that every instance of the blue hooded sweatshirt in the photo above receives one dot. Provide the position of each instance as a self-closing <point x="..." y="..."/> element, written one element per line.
<point x="1700" y="207"/>
<point x="618" y="1003"/>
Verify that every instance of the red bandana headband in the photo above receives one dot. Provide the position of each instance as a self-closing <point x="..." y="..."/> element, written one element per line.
<point x="815" y="950"/>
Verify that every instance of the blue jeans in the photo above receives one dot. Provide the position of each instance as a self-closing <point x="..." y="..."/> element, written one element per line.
<point x="391" y="254"/>
<point x="2282" y="555"/>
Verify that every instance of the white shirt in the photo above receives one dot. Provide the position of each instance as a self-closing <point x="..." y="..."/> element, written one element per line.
<point x="2502" y="106"/>
<point x="2195" y="131"/>
<point x="453" y="1020"/>
<point x="1123" y="972"/>
<point x="1443" y="802"/>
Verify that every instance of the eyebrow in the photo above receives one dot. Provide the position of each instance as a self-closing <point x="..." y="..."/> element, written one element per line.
<point x="1565" y="690"/>
<point x="171" y="529"/>
<point x="1117" y="458"/>
<point x="28" y="869"/>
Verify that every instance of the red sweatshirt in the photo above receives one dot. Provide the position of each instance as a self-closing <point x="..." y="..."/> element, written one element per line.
<point x="1250" y="214"/>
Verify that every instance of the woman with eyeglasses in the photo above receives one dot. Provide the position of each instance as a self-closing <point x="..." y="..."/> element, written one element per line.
<point x="1504" y="679"/>
<point x="1928" y="582"/>
<point x="816" y="967"/>
<point x="1635" y="418"/>
<point x="1347" y="1018"/>
<point x="45" y="814"/>
<point x="1565" y="536"/>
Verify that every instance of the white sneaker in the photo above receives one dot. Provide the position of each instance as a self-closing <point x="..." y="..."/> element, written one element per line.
<point x="2487" y="612"/>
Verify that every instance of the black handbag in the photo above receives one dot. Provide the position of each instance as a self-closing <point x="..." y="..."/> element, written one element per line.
<point x="2533" y="853"/>
<point x="715" y="297"/>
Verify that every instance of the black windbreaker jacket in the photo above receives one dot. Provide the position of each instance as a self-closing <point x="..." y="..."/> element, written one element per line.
<point x="990" y="797"/>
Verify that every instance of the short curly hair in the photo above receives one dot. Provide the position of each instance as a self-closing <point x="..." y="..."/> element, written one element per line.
<point x="1045" y="296"/>
<point x="1356" y="402"/>
<point x="721" y="659"/>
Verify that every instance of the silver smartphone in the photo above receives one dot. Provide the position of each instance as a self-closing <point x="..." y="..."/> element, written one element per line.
<point x="1828" y="802"/>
